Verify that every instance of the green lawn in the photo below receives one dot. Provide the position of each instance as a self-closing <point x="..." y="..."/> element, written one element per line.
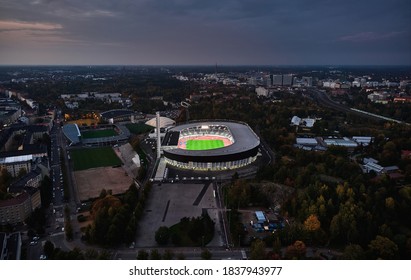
<point x="138" y="128"/>
<point x="98" y="133"/>
<point x="204" y="144"/>
<point x="94" y="157"/>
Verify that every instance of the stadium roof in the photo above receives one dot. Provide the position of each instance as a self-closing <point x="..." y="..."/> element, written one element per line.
<point x="72" y="132"/>
<point x="244" y="139"/>
<point x="164" y="122"/>
<point x="116" y="113"/>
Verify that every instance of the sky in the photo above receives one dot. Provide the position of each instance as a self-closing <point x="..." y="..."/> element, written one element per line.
<point x="205" y="32"/>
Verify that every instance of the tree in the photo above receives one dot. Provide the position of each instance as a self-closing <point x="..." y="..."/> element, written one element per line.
<point x="206" y="254"/>
<point x="312" y="223"/>
<point x="48" y="249"/>
<point x="408" y="248"/>
<point x="68" y="228"/>
<point x="257" y="251"/>
<point x="353" y="252"/>
<point x="22" y="172"/>
<point x="142" y="255"/>
<point x="155" y="255"/>
<point x="277" y="245"/>
<point x="296" y="251"/>
<point x="162" y="235"/>
<point x="105" y="255"/>
<point x="383" y="247"/>
<point x="91" y="254"/>
<point x="390" y="203"/>
<point x="181" y="256"/>
<point x="168" y="255"/>
<point x="142" y="172"/>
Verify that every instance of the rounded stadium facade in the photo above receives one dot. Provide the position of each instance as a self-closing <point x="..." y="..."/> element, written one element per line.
<point x="210" y="145"/>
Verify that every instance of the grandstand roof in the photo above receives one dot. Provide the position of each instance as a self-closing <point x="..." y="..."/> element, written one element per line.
<point x="164" y="122"/>
<point x="72" y="132"/>
<point x="244" y="139"/>
<point x="171" y="139"/>
<point x="116" y="113"/>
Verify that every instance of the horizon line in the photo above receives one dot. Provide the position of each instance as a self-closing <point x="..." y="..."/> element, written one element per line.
<point x="205" y="65"/>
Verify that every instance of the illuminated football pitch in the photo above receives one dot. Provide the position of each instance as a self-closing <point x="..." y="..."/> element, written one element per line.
<point x="199" y="145"/>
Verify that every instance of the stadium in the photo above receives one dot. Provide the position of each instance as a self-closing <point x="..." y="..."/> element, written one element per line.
<point x="103" y="135"/>
<point x="210" y="145"/>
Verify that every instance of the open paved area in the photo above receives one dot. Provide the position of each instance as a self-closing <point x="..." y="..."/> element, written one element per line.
<point x="168" y="203"/>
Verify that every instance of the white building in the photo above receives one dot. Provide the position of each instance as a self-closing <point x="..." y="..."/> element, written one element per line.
<point x="306" y="141"/>
<point x="261" y="91"/>
<point x="356" y="84"/>
<point x="363" y="140"/>
<point x="306" y="122"/>
<point x="342" y="142"/>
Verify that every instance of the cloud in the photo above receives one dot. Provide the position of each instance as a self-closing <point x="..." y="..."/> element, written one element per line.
<point x="16" y="32"/>
<point x="198" y="31"/>
<point x="369" y="36"/>
<point x="9" y="25"/>
<point x="98" y="13"/>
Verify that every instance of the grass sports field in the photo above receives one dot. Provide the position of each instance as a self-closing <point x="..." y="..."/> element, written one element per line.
<point x="95" y="157"/>
<point x="204" y="144"/>
<point x="98" y="133"/>
<point x="138" y="128"/>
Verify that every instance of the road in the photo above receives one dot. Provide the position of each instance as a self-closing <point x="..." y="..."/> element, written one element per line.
<point x="192" y="253"/>
<point x="322" y="98"/>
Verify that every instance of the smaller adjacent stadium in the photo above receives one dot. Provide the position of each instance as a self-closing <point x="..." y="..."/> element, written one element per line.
<point x="210" y="145"/>
<point x="102" y="135"/>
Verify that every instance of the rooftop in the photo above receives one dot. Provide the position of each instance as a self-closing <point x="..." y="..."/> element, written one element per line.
<point x="244" y="139"/>
<point x="72" y="132"/>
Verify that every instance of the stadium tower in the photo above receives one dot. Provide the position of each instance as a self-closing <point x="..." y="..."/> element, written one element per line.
<point x="158" y="134"/>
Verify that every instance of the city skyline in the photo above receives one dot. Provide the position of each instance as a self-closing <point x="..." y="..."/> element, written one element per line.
<point x="183" y="32"/>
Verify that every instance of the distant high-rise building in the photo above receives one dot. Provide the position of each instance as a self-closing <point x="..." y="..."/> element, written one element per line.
<point x="287" y="80"/>
<point x="252" y="81"/>
<point x="267" y="80"/>
<point x="307" y="81"/>
<point x="277" y="80"/>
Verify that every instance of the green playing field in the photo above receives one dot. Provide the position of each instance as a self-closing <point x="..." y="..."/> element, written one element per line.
<point x="98" y="133"/>
<point x="94" y="157"/>
<point x="204" y="144"/>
